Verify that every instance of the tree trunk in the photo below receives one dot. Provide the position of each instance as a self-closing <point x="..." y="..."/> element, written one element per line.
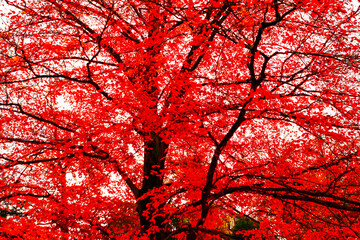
<point x="154" y="160"/>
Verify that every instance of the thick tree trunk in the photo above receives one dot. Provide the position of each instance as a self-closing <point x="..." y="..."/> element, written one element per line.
<point x="149" y="206"/>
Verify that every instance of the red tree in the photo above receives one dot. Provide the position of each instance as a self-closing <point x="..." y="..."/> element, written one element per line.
<point x="163" y="119"/>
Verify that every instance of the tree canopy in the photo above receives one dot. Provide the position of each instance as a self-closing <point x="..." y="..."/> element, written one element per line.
<point x="141" y="119"/>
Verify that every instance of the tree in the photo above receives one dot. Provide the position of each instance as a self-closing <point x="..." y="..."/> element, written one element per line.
<point x="243" y="224"/>
<point x="119" y="117"/>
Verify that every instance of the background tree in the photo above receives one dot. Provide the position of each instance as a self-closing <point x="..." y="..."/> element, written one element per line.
<point x="243" y="223"/>
<point x="119" y="116"/>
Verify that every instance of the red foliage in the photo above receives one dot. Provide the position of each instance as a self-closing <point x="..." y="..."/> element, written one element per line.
<point x="166" y="119"/>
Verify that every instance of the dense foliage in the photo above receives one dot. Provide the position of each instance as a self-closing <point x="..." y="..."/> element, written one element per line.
<point x="141" y="119"/>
